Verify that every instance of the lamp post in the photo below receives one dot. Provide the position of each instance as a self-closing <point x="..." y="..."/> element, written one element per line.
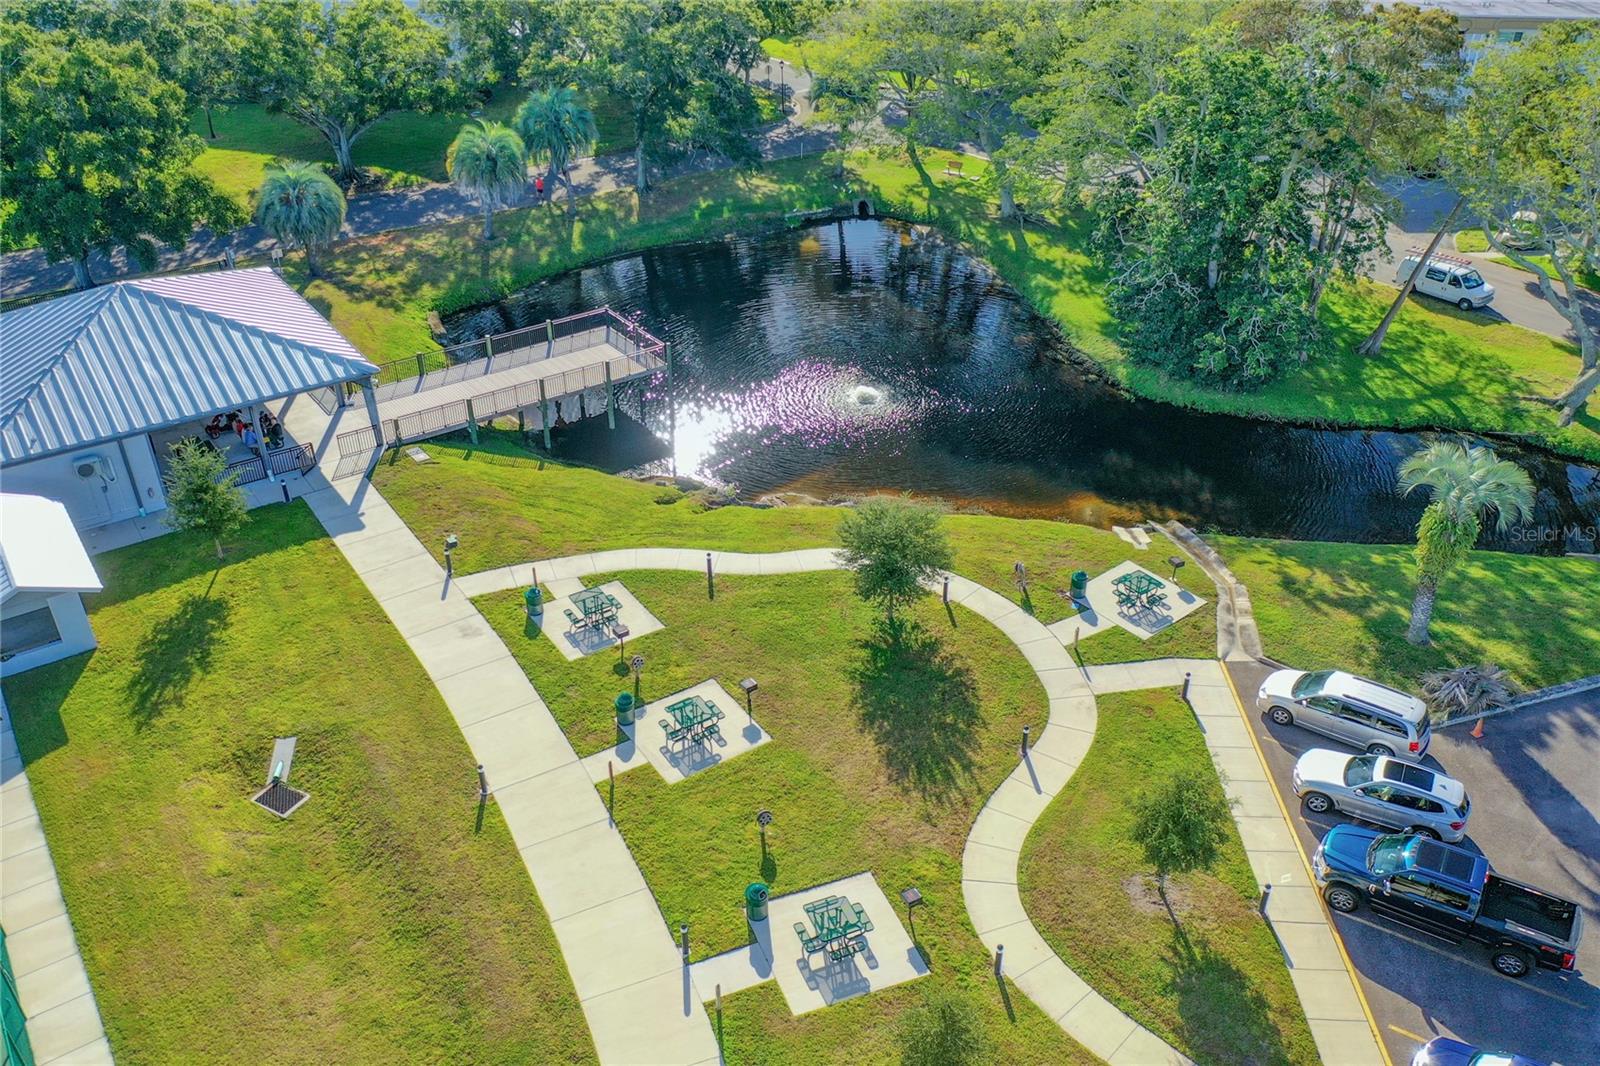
<point x="451" y="542"/>
<point x="783" y="104"/>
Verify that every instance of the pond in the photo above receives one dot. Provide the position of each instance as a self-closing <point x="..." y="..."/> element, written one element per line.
<point x="870" y="355"/>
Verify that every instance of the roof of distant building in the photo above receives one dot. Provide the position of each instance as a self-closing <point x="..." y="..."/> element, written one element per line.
<point x="139" y="355"/>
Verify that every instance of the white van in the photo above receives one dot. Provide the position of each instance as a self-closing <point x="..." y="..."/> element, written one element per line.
<point x="1448" y="278"/>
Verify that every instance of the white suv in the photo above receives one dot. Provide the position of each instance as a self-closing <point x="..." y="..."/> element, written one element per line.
<point x="1375" y="718"/>
<point x="1385" y="791"/>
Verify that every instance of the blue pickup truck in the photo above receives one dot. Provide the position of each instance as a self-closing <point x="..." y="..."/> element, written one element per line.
<point x="1450" y="893"/>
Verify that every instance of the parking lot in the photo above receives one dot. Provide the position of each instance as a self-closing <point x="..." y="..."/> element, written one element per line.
<point x="1535" y="791"/>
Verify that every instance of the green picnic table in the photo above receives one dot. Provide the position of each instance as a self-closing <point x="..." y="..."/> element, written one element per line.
<point x="595" y="604"/>
<point x="696" y="718"/>
<point x="1135" y="589"/>
<point x="837" y="927"/>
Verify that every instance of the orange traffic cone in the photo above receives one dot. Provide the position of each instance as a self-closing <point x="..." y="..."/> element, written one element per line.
<point x="1477" y="730"/>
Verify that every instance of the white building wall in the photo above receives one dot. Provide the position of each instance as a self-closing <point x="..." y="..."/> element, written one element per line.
<point x="135" y="482"/>
<point x="72" y="622"/>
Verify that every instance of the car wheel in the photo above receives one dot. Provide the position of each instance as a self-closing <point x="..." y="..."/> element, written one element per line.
<point x="1380" y="749"/>
<point x="1423" y="831"/>
<point x="1513" y="962"/>
<point x="1281" y="716"/>
<point x="1317" y="803"/>
<point x="1342" y="898"/>
<point x="1464" y="303"/>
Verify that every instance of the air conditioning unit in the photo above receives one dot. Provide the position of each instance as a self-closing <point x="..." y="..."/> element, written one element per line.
<point x="94" y="466"/>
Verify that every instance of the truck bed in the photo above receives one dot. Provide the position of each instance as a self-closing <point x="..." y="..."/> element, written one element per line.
<point x="1512" y="903"/>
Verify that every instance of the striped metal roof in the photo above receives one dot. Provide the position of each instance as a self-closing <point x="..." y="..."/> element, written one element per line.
<point x="135" y="356"/>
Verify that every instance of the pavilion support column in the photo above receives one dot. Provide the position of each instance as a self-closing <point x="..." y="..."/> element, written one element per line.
<point x="369" y="392"/>
<point x="544" y="414"/>
<point x="472" y="422"/>
<point x="611" y="399"/>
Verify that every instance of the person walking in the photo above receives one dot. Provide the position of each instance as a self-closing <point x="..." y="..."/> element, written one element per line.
<point x="538" y="189"/>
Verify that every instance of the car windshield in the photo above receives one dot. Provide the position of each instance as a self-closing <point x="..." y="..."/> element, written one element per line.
<point x="1310" y="684"/>
<point x="1472" y="279"/>
<point x="1358" y="771"/>
<point x="1490" y="1058"/>
<point x="1391" y="853"/>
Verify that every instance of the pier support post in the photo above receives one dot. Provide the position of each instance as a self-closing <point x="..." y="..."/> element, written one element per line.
<point x="544" y="414"/>
<point x="611" y="399"/>
<point x="472" y="422"/>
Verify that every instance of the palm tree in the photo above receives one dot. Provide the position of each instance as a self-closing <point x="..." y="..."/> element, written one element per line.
<point x="300" y="205"/>
<point x="557" y="126"/>
<point x="1466" y="482"/>
<point x="1466" y="692"/>
<point x="488" y="162"/>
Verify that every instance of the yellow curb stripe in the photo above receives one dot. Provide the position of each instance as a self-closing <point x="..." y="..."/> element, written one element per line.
<point x="1299" y="848"/>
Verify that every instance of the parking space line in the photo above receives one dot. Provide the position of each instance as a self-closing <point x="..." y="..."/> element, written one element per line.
<point x="1410" y="1034"/>
<point x="1395" y="929"/>
<point x="1338" y="940"/>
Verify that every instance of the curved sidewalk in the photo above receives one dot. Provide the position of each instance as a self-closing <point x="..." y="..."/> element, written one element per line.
<point x="994" y="845"/>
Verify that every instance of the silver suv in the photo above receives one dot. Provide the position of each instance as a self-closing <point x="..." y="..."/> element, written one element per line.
<point x="1364" y="714"/>
<point x="1385" y="791"/>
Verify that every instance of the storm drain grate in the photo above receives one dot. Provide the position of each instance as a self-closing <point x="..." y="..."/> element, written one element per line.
<point x="280" y="799"/>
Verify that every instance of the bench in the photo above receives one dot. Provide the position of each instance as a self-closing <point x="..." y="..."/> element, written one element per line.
<point x="573" y="621"/>
<point x="952" y="169"/>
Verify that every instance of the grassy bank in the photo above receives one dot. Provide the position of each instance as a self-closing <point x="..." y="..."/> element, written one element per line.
<point x="1216" y="987"/>
<point x="882" y="751"/>
<point x="1347" y="605"/>
<point x="379" y="923"/>
<point x="1473" y="241"/>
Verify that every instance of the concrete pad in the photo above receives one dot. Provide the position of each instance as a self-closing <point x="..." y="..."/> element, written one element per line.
<point x="1252" y="799"/>
<point x="1348" y="1043"/>
<point x="811" y="982"/>
<point x="27" y="907"/>
<point x="50" y="986"/>
<point x="575" y="644"/>
<point x="18" y="802"/>
<point x="406" y="575"/>
<point x="985" y="862"/>
<point x="1309" y="946"/>
<point x="562" y="587"/>
<point x="485" y="691"/>
<point x="11" y="775"/>
<point x="657" y="1020"/>
<point x="733" y="971"/>
<point x="615" y="561"/>
<point x="70" y="1033"/>
<point x="617" y="944"/>
<point x="1115" y="677"/>
<point x="1240" y="764"/>
<point x="1042" y="773"/>
<point x="41" y="945"/>
<point x="516" y="746"/>
<point x="484" y="582"/>
<point x="618" y="760"/>
<point x="568" y="566"/>
<point x="1223" y="731"/>
<point x="556" y="802"/>
<point x="1063" y="743"/>
<point x="1053" y="987"/>
<point x="740" y="563"/>
<point x="999" y="830"/>
<point x="1328" y="995"/>
<point x="1265" y="834"/>
<point x="25" y="870"/>
<point x="991" y="905"/>
<point x="384" y="549"/>
<point x="739" y="733"/>
<point x="580" y="869"/>
<point x="1081" y="626"/>
<point x="427" y="608"/>
<point x="348" y="525"/>
<point x="1102" y="596"/>
<point x="23" y="835"/>
<point x="1097" y="1025"/>
<point x="1278" y="868"/>
<point x="1144" y="1048"/>
<point x="1075" y="712"/>
<point x="1064" y="683"/>
<point x="457" y="646"/>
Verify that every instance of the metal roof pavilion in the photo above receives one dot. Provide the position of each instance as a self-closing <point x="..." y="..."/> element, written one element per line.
<point x="40" y="550"/>
<point x="140" y="355"/>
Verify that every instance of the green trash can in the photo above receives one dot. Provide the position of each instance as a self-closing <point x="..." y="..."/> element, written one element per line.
<point x="1080" y="585"/>
<point x="533" y="599"/>
<point x="755" y="901"/>
<point x="624" y="705"/>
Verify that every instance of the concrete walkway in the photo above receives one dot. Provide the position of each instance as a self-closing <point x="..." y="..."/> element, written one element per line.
<point x="1328" y="994"/>
<point x="63" y="1020"/>
<point x="994" y="845"/>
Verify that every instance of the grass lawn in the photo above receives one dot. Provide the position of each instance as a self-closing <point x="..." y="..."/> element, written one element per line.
<point x="510" y="506"/>
<point x="1473" y="240"/>
<point x="791" y="51"/>
<point x="882" y="753"/>
<point x="1218" y="990"/>
<point x="1347" y="605"/>
<point x="378" y="923"/>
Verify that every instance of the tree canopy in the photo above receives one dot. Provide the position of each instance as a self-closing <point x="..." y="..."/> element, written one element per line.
<point x="95" y="150"/>
<point x="894" y="547"/>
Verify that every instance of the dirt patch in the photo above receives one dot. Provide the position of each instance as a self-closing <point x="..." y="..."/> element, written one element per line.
<point x="1143" y="893"/>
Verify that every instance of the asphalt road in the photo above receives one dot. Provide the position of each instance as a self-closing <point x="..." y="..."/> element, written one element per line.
<point x="1424" y="205"/>
<point x="1535" y="792"/>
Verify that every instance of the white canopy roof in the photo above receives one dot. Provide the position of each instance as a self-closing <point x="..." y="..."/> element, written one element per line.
<point x="40" y="550"/>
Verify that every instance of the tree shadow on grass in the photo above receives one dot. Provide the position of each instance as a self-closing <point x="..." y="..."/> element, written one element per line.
<point x="920" y="705"/>
<point x="171" y="654"/>
<point x="1222" y="1016"/>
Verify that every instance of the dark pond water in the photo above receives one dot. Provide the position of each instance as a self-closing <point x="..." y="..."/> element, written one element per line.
<point x="870" y="355"/>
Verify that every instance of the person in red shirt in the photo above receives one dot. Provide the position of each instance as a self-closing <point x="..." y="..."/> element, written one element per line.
<point x="538" y="187"/>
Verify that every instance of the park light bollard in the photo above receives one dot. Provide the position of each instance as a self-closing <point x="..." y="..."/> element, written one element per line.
<point x="999" y="959"/>
<point x="483" y="784"/>
<point x="1186" y="677"/>
<point x="947" y="590"/>
<point x="683" y="932"/>
<point x="711" y="588"/>
<point x="1025" y="730"/>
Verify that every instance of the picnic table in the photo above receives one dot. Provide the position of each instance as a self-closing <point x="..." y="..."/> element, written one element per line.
<point x="838" y="927"/>
<point x="596" y="605"/>
<point x="693" y="720"/>
<point x="1137" y="588"/>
